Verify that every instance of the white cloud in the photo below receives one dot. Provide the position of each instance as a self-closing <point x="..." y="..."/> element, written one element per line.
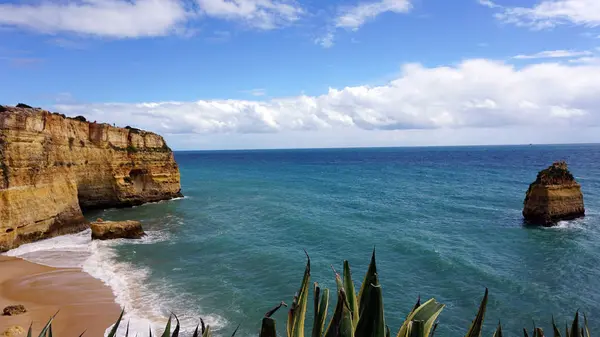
<point x="488" y="3"/>
<point x="256" y="92"/>
<point x="561" y="53"/>
<point x="550" y="13"/>
<point x="142" y="18"/>
<point x="262" y="14"/>
<point x="110" y="18"/>
<point x="475" y="94"/>
<point x="326" y="41"/>
<point x="355" y="16"/>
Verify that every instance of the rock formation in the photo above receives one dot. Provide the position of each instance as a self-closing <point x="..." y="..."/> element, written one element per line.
<point x="107" y="230"/>
<point x="553" y="196"/>
<point x="13" y="310"/>
<point x="52" y="167"/>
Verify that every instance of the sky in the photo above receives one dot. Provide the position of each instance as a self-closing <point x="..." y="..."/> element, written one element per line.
<point x="245" y="74"/>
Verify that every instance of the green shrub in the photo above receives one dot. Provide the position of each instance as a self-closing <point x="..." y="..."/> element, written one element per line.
<point x="355" y="315"/>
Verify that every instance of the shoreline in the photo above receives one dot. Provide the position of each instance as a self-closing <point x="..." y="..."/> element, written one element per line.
<point x="83" y="302"/>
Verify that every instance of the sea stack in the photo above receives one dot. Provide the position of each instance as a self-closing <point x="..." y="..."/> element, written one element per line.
<point x="52" y="167"/>
<point x="553" y="196"/>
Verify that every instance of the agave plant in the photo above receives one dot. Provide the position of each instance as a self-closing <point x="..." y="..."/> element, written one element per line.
<point x="355" y="315"/>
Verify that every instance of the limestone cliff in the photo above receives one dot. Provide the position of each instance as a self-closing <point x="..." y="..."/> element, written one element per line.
<point x="553" y="196"/>
<point x="52" y="167"/>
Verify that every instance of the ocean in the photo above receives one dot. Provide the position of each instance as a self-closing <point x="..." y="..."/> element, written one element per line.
<point x="445" y="222"/>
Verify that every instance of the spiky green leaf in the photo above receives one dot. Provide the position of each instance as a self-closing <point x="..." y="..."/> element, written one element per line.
<point x="297" y="312"/>
<point x="498" y="332"/>
<point x="586" y="331"/>
<point x="369" y="279"/>
<point x="267" y="328"/>
<point x="555" y="328"/>
<point x="427" y="312"/>
<point x="575" y="325"/>
<point x="167" y="332"/>
<point x="371" y="322"/>
<point x="176" y="331"/>
<point x="477" y="324"/>
<point x="47" y="326"/>
<point x="113" y="331"/>
<point x="321" y="304"/>
<point x="351" y="293"/>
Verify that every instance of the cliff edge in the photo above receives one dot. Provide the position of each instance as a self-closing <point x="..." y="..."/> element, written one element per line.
<point x="52" y="167"/>
<point x="553" y="196"/>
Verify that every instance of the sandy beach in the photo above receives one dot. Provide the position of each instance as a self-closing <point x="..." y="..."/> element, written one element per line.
<point x="85" y="303"/>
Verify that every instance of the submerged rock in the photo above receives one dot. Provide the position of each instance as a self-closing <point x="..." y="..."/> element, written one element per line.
<point x="107" y="230"/>
<point x="13" y="310"/>
<point x="553" y="196"/>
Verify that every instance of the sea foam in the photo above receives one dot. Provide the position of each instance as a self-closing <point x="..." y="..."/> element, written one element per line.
<point x="144" y="307"/>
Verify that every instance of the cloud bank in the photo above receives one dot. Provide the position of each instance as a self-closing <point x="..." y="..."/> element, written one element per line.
<point x="143" y="18"/>
<point x="476" y="93"/>
<point x="549" y="13"/>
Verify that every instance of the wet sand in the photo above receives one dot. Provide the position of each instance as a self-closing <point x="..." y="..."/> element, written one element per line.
<point x="85" y="303"/>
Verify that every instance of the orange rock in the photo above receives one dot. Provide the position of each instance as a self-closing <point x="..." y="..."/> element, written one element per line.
<point x="52" y="167"/>
<point x="553" y="196"/>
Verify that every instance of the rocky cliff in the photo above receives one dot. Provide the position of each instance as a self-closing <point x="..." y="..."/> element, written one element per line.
<point x="553" y="196"/>
<point x="52" y="167"/>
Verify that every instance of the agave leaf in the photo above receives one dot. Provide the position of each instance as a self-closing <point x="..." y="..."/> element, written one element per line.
<point x="427" y="312"/>
<point x="351" y="293"/>
<point x="297" y="313"/>
<point x="585" y="327"/>
<point x="127" y="330"/>
<point x="176" y="331"/>
<point x="434" y="329"/>
<point x="113" y="331"/>
<point x="388" y="333"/>
<point x="196" y="331"/>
<point x="341" y="323"/>
<point x="47" y="326"/>
<point x="369" y="279"/>
<point x="498" y="332"/>
<point x="150" y="331"/>
<point x="30" y="330"/>
<point x="371" y="322"/>
<point x="267" y="329"/>
<point x="167" y="331"/>
<point x="477" y="325"/>
<point x="202" y="325"/>
<point x="417" y="329"/>
<point x="539" y="332"/>
<point x="207" y="332"/>
<point x="525" y="334"/>
<point x="235" y="331"/>
<point x="418" y="304"/>
<point x="82" y="333"/>
<point x="575" y="325"/>
<point x="50" y="330"/>
<point x="321" y="303"/>
<point x="272" y="311"/>
<point x="555" y="328"/>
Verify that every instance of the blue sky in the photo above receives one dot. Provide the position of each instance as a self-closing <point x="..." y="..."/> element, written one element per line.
<point x="210" y="74"/>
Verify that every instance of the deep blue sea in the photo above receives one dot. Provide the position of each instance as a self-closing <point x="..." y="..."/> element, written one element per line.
<point x="445" y="221"/>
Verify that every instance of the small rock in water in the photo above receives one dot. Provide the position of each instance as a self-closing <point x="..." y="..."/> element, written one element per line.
<point x="107" y="230"/>
<point x="553" y="196"/>
<point x="13" y="310"/>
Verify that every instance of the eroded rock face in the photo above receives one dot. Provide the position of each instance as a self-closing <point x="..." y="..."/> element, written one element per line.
<point x="553" y="196"/>
<point x="52" y="167"/>
<point x="108" y="230"/>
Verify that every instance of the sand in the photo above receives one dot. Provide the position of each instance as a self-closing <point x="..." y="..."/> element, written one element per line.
<point x="85" y="303"/>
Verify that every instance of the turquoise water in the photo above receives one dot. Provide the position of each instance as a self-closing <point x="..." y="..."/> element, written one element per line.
<point x="446" y="223"/>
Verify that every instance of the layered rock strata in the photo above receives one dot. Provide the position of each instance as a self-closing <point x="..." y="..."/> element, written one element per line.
<point x="52" y="167"/>
<point x="553" y="196"/>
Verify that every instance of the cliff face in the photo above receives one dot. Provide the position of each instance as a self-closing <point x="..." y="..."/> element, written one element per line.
<point x="52" y="167"/>
<point x="554" y="196"/>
